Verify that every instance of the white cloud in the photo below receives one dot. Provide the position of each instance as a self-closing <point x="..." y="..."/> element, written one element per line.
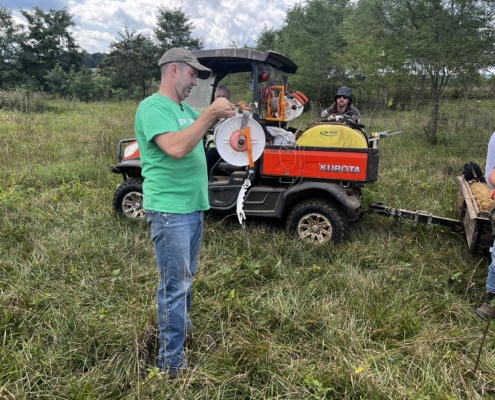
<point x="218" y="22"/>
<point x="114" y="15"/>
<point x="93" y="39"/>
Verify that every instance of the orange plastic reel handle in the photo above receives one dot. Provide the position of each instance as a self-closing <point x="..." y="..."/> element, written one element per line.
<point x="247" y="133"/>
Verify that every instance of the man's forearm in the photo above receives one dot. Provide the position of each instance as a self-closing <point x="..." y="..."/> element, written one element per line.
<point x="178" y="144"/>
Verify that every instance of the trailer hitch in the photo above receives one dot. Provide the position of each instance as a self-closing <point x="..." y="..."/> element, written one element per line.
<point x="424" y="217"/>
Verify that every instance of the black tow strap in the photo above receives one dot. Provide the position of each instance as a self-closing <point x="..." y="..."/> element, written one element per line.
<point x="468" y="172"/>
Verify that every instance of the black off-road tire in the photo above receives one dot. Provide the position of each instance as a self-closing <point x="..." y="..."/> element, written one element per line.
<point x="317" y="221"/>
<point x="128" y="199"/>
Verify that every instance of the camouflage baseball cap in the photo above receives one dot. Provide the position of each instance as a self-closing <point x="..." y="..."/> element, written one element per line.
<point x="181" y="55"/>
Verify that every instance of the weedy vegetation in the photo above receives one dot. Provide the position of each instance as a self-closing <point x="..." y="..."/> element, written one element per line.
<point x="385" y="315"/>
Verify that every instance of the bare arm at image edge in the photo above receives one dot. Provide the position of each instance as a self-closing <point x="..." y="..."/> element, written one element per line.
<point x="491" y="178"/>
<point x="490" y="161"/>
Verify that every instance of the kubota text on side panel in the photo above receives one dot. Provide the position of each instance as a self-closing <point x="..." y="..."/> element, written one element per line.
<point x="333" y="165"/>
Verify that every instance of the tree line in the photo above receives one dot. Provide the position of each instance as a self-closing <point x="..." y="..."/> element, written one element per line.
<point x="399" y="53"/>
<point x="43" y="55"/>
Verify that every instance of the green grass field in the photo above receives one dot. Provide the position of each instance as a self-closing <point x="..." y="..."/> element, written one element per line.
<point x="385" y="315"/>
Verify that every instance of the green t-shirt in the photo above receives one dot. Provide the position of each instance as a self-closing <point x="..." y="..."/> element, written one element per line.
<point x="170" y="185"/>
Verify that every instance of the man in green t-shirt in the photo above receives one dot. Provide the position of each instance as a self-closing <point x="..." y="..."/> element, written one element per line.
<point x="175" y="190"/>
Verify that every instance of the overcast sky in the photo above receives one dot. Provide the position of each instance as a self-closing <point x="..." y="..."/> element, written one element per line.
<point x="218" y="22"/>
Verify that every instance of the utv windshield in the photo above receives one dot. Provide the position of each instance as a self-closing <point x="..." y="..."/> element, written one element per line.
<point x="201" y="95"/>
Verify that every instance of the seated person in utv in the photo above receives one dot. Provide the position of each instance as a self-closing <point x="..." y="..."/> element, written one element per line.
<point x="342" y="105"/>
<point x="222" y="91"/>
<point x="212" y="155"/>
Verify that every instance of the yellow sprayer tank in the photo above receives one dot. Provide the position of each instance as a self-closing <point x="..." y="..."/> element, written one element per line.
<point x="333" y="135"/>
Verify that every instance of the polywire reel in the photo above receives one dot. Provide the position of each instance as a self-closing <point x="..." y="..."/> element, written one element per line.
<point x="294" y="108"/>
<point x="227" y="134"/>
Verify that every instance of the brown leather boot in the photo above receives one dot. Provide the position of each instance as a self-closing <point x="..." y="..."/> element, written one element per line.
<point x="486" y="309"/>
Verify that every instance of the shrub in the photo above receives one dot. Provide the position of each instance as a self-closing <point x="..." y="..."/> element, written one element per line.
<point x="23" y="100"/>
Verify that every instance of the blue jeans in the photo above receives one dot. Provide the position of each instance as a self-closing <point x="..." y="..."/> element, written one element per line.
<point x="177" y="238"/>
<point x="490" y="280"/>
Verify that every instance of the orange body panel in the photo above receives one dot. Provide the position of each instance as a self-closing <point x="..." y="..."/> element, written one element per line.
<point x="131" y="152"/>
<point x="333" y="165"/>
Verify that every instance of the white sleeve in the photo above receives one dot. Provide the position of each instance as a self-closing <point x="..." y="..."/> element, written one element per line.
<point x="490" y="158"/>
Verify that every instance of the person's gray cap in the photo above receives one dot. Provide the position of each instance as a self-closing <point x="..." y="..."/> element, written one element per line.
<point x="181" y="55"/>
<point x="343" y="91"/>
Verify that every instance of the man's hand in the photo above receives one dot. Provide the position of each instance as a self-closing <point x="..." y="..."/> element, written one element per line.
<point x="222" y="108"/>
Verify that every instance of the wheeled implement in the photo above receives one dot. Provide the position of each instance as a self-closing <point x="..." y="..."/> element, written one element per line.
<point x="473" y="221"/>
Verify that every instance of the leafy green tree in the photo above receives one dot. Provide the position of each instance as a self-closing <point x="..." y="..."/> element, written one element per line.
<point x="175" y="30"/>
<point x="132" y="60"/>
<point x="102" y="88"/>
<point x="267" y="39"/>
<point x="57" y="81"/>
<point x="92" y="60"/>
<point x="10" y="37"/>
<point x="48" y="42"/>
<point x="435" y="39"/>
<point x="311" y="37"/>
<point x="82" y="84"/>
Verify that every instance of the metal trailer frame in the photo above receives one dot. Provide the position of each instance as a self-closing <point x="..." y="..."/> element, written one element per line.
<point x="473" y="221"/>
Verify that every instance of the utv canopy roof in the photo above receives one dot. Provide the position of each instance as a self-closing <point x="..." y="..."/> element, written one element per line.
<point x="224" y="61"/>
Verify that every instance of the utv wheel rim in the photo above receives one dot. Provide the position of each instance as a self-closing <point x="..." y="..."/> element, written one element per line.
<point x="132" y="205"/>
<point x="315" y="228"/>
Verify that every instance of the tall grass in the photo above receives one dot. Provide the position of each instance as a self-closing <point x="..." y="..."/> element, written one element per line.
<point x="23" y="100"/>
<point x="385" y="315"/>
